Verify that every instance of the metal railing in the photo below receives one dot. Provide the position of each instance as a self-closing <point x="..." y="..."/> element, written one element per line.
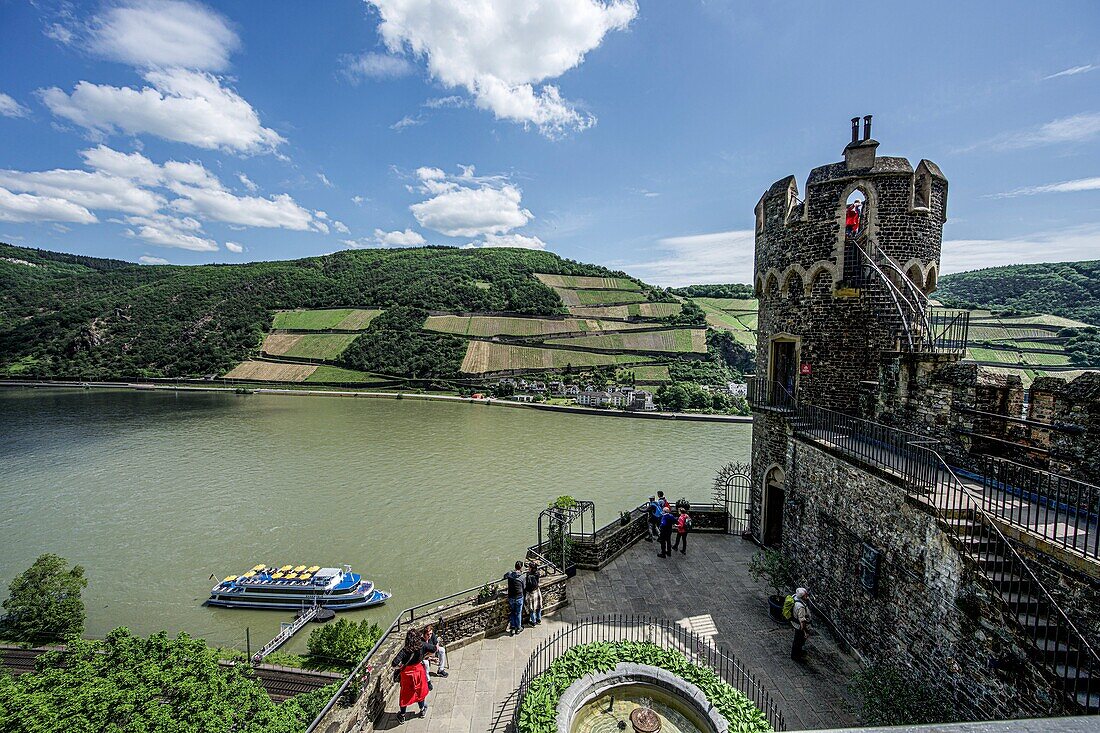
<point x="663" y="633"/>
<point x="764" y="392"/>
<point x="1064" y="511"/>
<point x="1056" y="641"/>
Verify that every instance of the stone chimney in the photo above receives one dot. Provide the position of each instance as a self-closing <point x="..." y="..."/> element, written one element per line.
<point x="861" y="153"/>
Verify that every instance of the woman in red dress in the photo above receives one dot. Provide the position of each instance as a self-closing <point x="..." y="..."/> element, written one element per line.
<point x="409" y="666"/>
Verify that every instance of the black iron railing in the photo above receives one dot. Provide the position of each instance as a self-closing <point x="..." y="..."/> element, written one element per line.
<point x="663" y="633"/>
<point x="950" y="331"/>
<point x="1056" y="641"/>
<point x="764" y="392"/>
<point x="1064" y="511"/>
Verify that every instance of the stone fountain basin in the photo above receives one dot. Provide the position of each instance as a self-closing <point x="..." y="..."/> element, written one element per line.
<point x="628" y="674"/>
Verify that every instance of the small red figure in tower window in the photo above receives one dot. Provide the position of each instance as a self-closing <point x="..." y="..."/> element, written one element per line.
<point x="852" y="218"/>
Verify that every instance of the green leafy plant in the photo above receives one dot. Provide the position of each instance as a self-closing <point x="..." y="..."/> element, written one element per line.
<point x="559" y="545"/>
<point x="774" y="568"/>
<point x="487" y="593"/>
<point x="342" y="643"/>
<point x="538" y="711"/>
<point x="889" y="694"/>
<point x="44" y="602"/>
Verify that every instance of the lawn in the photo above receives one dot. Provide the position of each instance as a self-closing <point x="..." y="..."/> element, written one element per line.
<point x="515" y="326"/>
<point x="327" y="373"/>
<point x="681" y="340"/>
<point x="487" y="356"/>
<point x="731" y="305"/>
<point x="645" y="374"/>
<point x="264" y="371"/>
<point x="323" y="319"/>
<point x="308" y="345"/>
<point x="1006" y="356"/>
<point x="581" y="281"/>
<point x="634" y="310"/>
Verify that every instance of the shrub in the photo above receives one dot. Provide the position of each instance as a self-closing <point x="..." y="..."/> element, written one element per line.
<point x="342" y="643"/>
<point x="44" y="602"/>
<point x="889" y="694"/>
<point x="538" y="712"/>
<point x="773" y="567"/>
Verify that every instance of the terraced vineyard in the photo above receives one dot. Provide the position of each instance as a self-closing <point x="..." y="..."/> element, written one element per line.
<point x="323" y="346"/>
<point x="633" y="310"/>
<point x="581" y="281"/>
<point x="681" y="340"/>
<point x="646" y="374"/>
<point x="486" y="326"/>
<point x="487" y="356"/>
<point x="347" y="319"/>
<point x="598" y="297"/>
<point x="265" y="371"/>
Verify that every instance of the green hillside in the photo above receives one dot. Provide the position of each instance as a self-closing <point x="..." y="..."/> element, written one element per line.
<point x="1067" y="289"/>
<point x="66" y="315"/>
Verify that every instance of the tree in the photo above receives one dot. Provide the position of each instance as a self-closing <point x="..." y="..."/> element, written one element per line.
<point x="44" y="603"/>
<point x="129" y="683"/>
<point x="342" y="642"/>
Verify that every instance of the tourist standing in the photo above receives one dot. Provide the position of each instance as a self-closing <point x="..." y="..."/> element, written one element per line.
<point x="800" y="619"/>
<point x="683" y="524"/>
<point x="516" y="585"/>
<point x="667" y="523"/>
<point x="665" y="508"/>
<point x="653" y="514"/>
<point x="433" y="648"/>
<point x="408" y="665"/>
<point x="532" y="599"/>
<point x="852" y="218"/>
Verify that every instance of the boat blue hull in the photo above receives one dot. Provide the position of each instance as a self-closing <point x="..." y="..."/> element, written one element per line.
<point x="377" y="598"/>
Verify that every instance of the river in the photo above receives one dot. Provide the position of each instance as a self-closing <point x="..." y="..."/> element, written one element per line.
<point x="152" y="492"/>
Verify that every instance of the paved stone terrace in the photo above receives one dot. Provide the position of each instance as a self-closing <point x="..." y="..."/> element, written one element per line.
<point x="713" y="578"/>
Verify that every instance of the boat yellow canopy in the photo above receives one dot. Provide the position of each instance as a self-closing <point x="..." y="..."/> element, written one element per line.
<point x="231" y="577"/>
<point x="276" y="576"/>
<point x="313" y="568"/>
<point x="258" y="568"/>
<point x="304" y="576"/>
<point x="284" y="568"/>
<point x="249" y="574"/>
<point x="300" y="568"/>
<point x="291" y="576"/>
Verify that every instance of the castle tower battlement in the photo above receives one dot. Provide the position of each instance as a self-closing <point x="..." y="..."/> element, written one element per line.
<point x="825" y="315"/>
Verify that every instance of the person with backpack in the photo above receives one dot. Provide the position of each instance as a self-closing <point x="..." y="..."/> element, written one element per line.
<point x="653" y="514"/>
<point x="683" y="524"/>
<point x="800" y="620"/>
<point x="532" y="597"/>
<point x="667" y="524"/>
<point x="516" y="585"/>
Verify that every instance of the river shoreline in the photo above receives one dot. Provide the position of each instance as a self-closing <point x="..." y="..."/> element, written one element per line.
<point x="489" y="402"/>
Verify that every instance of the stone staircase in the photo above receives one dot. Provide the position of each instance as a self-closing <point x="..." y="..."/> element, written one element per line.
<point x="1056" y="643"/>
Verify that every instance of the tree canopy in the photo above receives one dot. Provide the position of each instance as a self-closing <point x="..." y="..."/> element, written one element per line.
<point x="44" y="602"/>
<point x="128" y="683"/>
<point x="1067" y="289"/>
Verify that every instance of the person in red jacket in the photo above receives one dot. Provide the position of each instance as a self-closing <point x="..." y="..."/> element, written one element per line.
<point x="683" y="524"/>
<point x="852" y="218"/>
<point x="408" y="667"/>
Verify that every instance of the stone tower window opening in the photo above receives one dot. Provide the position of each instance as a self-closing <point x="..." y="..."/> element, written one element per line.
<point x="771" y="523"/>
<point x="855" y="217"/>
<point x="922" y="192"/>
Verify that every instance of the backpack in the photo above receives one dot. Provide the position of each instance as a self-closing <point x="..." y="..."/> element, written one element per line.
<point x="788" y="607"/>
<point x="531" y="584"/>
<point x="687" y="522"/>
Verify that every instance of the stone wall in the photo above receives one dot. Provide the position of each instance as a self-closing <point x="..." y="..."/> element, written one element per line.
<point x="458" y="625"/>
<point x="927" y="610"/>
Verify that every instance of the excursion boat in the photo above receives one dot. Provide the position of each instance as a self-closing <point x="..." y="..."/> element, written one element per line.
<point x="295" y="586"/>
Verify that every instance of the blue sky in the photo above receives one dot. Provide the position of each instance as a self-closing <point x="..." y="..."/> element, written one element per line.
<point x="634" y="135"/>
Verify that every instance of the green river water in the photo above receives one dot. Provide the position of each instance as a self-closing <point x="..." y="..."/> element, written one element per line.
<point x="152" y="492"/>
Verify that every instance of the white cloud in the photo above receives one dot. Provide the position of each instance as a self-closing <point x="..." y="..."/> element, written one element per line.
<point x="467" y="205"/>
<point x="1080" y="184"/>
<point x="179" y="105"/>
<point x="163" y="33"/>
<point x="498" y="50"/>
<point x="407" y="121"/>
<point x="718" y="257"/>
<point x="340" y="227"/>
<point x="358" y="200"/>
<point x="59" y="33"/>
<point x="279" y="211"/>
<point x="234" y="247"/>
<point x="407" y="238"/>
<point x="1062" y="245"/>
<point x="10" y="108"/>
<point x="324" y="179"/>
<point x="147" y="260"/>
<point x="374" y="66"/>
<point x="1072" y="129"/>
<point x="508" y="240"/>
<point x="1072" y="71"/>
<point x="124" y="165"/>
<point x="247" y="182"/>
<point x="25" y="207"/>
<point x="90" y="190"/>
<point x="166" y="237"/>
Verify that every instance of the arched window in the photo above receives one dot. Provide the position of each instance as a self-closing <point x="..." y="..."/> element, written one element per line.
<point x="856" y="214"/>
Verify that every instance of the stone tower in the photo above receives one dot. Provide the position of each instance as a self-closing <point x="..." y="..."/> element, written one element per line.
<point x="832" y="302"/>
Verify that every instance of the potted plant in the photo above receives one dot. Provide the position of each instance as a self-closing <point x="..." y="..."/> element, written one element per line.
<point x="624" y="518"/>
<point x="486" y="593"/>
<point x="772" y="567"/>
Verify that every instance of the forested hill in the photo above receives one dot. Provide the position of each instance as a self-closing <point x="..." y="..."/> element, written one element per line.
<point x="68" y="315"/>
<point x="1067" y="289"/>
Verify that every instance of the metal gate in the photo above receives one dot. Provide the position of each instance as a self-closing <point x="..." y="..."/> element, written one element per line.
<point x="731" y="490"/>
